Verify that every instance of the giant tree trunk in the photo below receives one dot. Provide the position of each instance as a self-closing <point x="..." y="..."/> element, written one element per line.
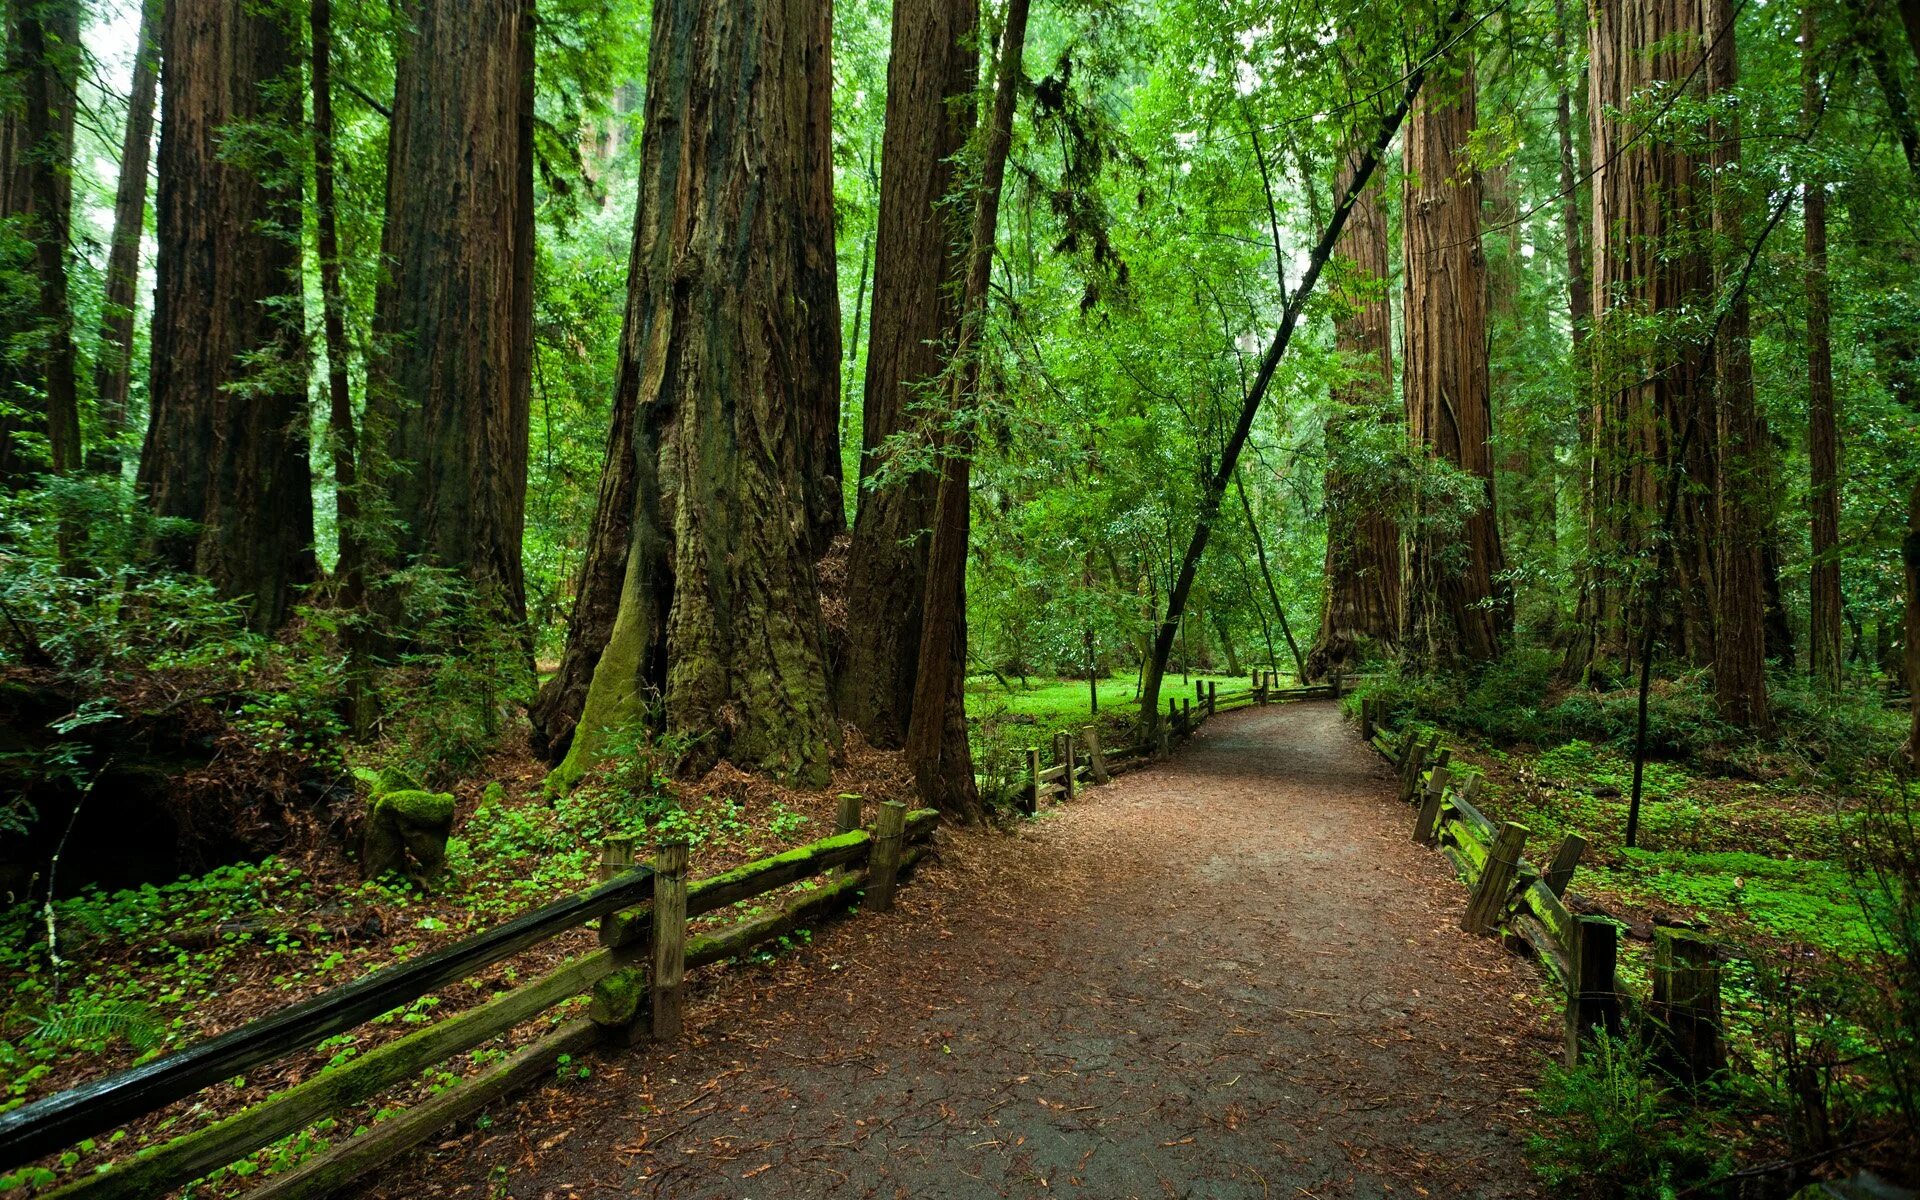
<point x="1823" y="436"/>
<point x="1651" y="374"/>
<point x="226" y="439"/>
<point x="1742" y="517"/>
<point x="452" y="387"/>
<point x="113" y="368"/>
<point x="1457" y="605"/>
<point x="919" y="261"/>
<point x="1362" y="603"/>
<point x="937" y="746"/>
<point x="36" y="151"/>
<point x="730" y="366"/>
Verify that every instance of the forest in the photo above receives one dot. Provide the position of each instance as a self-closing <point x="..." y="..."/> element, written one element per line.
<point x="438" y="436"/>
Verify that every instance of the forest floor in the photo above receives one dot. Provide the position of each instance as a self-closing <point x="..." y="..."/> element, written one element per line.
<point x="1228" y="975"/>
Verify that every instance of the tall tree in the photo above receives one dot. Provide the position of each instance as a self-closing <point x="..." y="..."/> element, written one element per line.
<point x="920" y="257"/>
<point x="1362" y="605"/>
<point x="937" y="747"/>
<point x="1457" y="606"/>
<point x="730" y="361"/>
<point x="1823" y="432"/>
<point x="454" y="324"/>
<point x="226" y="442"/>
<point x="113" y="368"/>
<point x="1741" y="477"/>
<point x="1651" y="411"/>
<point x="38" y="393"/>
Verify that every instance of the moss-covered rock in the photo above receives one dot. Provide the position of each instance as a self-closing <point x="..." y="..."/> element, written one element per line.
<point x="403" y="825"/>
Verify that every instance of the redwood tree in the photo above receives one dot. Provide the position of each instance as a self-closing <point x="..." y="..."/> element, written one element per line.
<point x="730" y="363"/>
<point x="919" y="262"/>
<point x="1456" y="604"/>
<point x="1363" y="543"/>
<point x="454" y="322"/>
<point x="37" y="386"/>
<point x="226" y="442"/>
<point x="1823" y="436"/>
<point x="113" y="368"/>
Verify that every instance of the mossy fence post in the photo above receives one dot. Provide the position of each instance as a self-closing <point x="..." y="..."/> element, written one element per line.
<point x="1593" y="996"/>
<point x="846" y="819"/>
<point x="1686" y="1002"/>
<point x="883" y="868"/>
<point x="1496" y="879"/>
<point x="1096" y="757"/>
<point x="1063" y="750"/>
<point x="1030" y="795"/>
<point x="1429" y="819"/>
<point x="1565" y="859"/>
<point x="669" y="938"/>
<point x="1213" y="696"/>
<point x="1410" y="770"/>
<point x="616" y="856"/>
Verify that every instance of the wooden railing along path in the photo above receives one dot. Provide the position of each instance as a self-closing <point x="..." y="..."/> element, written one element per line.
<point x="635" y="981"/>
<point x="1512" y="896"/>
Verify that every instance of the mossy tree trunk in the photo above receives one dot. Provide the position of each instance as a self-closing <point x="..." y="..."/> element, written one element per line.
<point x="920" y="258"/>
<point x="41" y="401"/>
<point x="1457" y="605"/>
<point x="226" y="442"/>
<point x="730" y="365"/>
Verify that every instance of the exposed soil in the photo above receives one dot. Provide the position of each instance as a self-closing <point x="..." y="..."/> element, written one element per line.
<point x="1229" y="975"/>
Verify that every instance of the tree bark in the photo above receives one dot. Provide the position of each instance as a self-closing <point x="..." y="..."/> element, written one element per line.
<point x="1457" y="605"/>
<point x="340" y="423"/>
<point x="937" y="747"/>
<point x="1823" y="436"/>
<point x="113" y="368"/>
<point x="1216" y="484"/>
<point x="42" y="65"/>
<point x="920" y="257"/>
<point x="730" y="366"/>
<point x="1362" y="599"/>
<point x="1579" y="284"/>
<point x="452" y="383"/>
<point x="1739" y="643"/>
<point x="226" y="443"/>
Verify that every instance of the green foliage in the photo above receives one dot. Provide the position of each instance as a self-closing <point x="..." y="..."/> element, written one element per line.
<point x="89" y="1025"/>
<point x="1617" y="1129"/>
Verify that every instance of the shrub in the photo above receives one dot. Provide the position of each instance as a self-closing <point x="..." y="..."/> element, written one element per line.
<point x="1617" y="1129"/>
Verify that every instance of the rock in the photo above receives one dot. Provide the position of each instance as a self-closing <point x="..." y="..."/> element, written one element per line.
<point x="407" y="825"/>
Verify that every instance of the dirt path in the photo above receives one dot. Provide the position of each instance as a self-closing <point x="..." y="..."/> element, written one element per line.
<point x="1230" y="975"/>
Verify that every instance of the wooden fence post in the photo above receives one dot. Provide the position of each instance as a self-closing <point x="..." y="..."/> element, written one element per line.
<point x="669" y="937"/>
<point x="1063" y="750"/>
<point x="1199" y="691"/>
<point x="1686" y="1001"/>
<point x="1213" y="696"/>
<point x="1593" y="998"/>
<point x="1429" y="819"/>
<point x="1173" y="715"/>
<point x="616" y="856"/>
<point x="1096" y="758"/>
<point x="1410" y="771"/>
<point x="1163" y="738"/>
<point x="1030" y="795"/>
<point x="1565" y="859"/>
<point x="1333" y="682"/>
<point x="846" y="820"/>
<point x="1444" y="758"/>
<point x="1366" y="720"/>
<point x="1490" y="894"/>
<point x="1186" y="717"/>
<point x="883" y="868"/>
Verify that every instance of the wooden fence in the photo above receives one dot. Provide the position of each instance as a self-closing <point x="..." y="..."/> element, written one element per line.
<point x="1510" y="895"/>
<point x="635" y="980"/>
<point x="1080" y="760"/>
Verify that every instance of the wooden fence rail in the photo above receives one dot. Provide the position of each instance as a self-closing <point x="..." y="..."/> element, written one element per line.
<point x="1510" y="896"/>
<point x="635" y="981"/>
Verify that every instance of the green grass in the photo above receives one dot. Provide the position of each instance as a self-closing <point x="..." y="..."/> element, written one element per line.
<point x="1058" y="700"/>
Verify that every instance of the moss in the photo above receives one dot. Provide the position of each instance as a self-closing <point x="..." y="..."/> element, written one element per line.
<point x="418" y="807"/>
<point x="494" y="794"/>
<point x="617" y="998"/>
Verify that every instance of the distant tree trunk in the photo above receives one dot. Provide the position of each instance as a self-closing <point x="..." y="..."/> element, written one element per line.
<point x="340" y="424"/>
<point x="937" y="747"/>
<point x="451" y="387"/>
<point x="1457" y="607"/>
<point x="36" y="145"/>
<point x="226" y="439"/>
<point x="1579" y="285"/>
<point x="113" y="368"/>
<point x="1301" y="669"/>
<point x="1740" y="644"/>
<point x="1823" y="436"/>
<point x="920" y="258"/>
<point x="1649" y="388"/>
<point x="730" y="366"/>
<point x="1362" y="599"/>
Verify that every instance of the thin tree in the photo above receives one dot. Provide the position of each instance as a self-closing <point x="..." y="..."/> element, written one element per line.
<point x="113" y="367"/>
<point x="730" y="364"/>
<point x="1823" y="436"/>
<point x="920" y="258"/>
<point x="226" y="444"/>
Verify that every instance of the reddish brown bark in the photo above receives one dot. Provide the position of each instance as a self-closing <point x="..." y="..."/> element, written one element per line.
<point x="919" y="257"/>
<point x="1456" y="603"/>
<point x="226" y="442"/>
<point x="453" y="385"/>
<point x="1362" y="598"/>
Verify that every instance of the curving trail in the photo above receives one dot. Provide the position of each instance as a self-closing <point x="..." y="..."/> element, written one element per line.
<point x="1230" y="975"/>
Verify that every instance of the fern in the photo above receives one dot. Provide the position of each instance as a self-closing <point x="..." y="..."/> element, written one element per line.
<point x="78" y="1024"/>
